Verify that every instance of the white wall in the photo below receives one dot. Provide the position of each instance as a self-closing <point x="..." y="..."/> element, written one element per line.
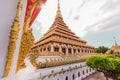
<point x="7" y="15"/>
<point x="62" y="76"/>
<point x="31" y="74"/>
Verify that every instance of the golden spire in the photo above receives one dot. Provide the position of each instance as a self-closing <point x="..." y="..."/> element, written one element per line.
<point x="115" y="41"/>
<point x="58" y="14"/>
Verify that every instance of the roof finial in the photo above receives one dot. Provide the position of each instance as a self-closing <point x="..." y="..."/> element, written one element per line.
<point x="115" y="41"/>
<point x="58" y="4"/>
<point x="58" y="11"/>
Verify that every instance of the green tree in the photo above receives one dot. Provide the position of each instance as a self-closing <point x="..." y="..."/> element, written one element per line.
<point x="101" y="49"/>
<point x="109" y="65"/>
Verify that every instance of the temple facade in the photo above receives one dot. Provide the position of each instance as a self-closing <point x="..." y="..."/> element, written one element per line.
<point x="116" y="48"/>
<point x="59" y="39"/>
<point x="58" y="55"/>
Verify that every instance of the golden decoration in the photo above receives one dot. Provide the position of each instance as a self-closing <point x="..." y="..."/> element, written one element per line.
<point x="27" y="40"/>
<point x="13" y="38"/>
<point x="58" y="11"/>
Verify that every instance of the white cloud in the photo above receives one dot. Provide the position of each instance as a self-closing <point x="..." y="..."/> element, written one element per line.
<point x="36" y="25"/>
<point x="84" y="17"/>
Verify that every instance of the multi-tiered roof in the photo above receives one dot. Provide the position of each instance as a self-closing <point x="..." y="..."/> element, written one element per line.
<point x="60" y="33"/>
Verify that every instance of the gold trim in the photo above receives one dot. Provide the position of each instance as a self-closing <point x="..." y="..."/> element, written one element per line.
<point x="13" y="38"/>
<point x="27" y="40"/>
<point x="58" y="11"/>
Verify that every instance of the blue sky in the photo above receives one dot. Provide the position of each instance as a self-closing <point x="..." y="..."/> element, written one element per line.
<point x="103" y="39"/>
<point x="96" y="21"/>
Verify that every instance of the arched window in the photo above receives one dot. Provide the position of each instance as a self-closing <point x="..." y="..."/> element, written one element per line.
<point x="78" y="50"/>
<point x="41" y="49"/>
<point x="64" y="50"/>
<point x="44" y="49"/>
<point x="78" y="74"/>
<point x="83" y="72"/>
<point x="49" y="48"/>
<point x="86" y="70"/>
<point x="69" y="50"/>
<point x="82" y="50"/>
<point x="56" y="49"/>
<point x="90" y="69"/>
<point x="66" y="78"/>
<point x="73" y="77"/>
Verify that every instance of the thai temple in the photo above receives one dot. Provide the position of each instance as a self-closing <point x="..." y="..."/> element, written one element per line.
<point x="59" y="39"/>
<point x="58" y="55"/>
<point x="115" y="49"/>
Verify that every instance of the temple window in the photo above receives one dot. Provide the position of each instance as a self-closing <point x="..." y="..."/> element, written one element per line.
<point x="78" y="74"/>
<point x="90" y="69"/>
<point x="64" y="50"/>
<point x="56" y="49"/>
<point x="66" y="78"/>
<point x="83" y="72"/>
<point x="82" y="50"/>
<point x="73" y="77"/>
<point x="78" y="50"/>
<point x="44" y="49"/>
<point x="86" y="70"/>
<point x="48" y="48"/>
<point x="69" y="50"/>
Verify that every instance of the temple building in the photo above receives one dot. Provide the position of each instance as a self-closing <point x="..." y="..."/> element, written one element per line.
<point x="58" y="55"/>
<point x="59" y="39"/>
<point x="115" y="49"/>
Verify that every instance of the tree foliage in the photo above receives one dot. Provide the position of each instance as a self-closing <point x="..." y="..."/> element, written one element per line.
<point x="101" y="49"/>
<point x="109" y="65"/>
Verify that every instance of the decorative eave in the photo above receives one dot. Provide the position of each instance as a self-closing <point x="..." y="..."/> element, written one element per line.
<point x="63" y="41"/>
<point x="60" y="33"/>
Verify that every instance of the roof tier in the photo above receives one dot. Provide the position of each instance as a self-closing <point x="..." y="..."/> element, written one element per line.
<point x="59" y="32"/>
<point x="56" y="39"/>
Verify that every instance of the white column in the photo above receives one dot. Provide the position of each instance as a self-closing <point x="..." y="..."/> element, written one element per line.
<point x="83" y="50"/>
<point x="76" y="50"/>
<point x="60" y="48"/>
<point x="52" y="48"/>
<point x="67" y="51"/>
<point x="46" y="49"/>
